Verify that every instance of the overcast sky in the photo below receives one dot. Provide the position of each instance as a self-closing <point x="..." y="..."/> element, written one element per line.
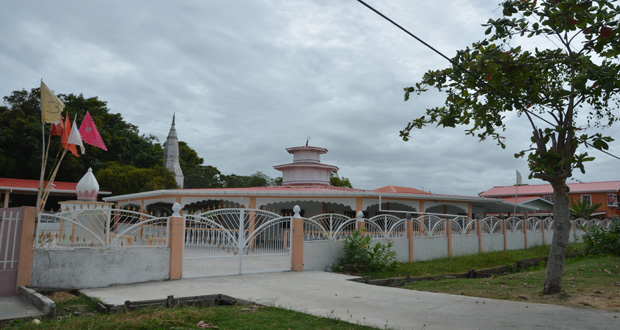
<point x="248" y="79"/>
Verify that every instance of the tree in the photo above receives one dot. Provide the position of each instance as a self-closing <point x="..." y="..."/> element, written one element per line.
<point x="582" y="209"/>
<point x="561" y="89"/>
<point x="258" y="179"/>
<point x="338" y="181"/>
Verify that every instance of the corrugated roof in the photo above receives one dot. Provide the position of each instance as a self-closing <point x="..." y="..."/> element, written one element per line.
<point x="402" y="190"/>
<point x="33" y="186"/>
<point x="10" y="183"/>
<point x="546" y="189"/>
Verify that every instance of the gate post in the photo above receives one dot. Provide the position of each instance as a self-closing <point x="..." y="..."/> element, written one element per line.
<point x="297" y="241"/>
<point x="410" y="236"/>
<point x="26" y="250"/>
<point x="175" y="242"/>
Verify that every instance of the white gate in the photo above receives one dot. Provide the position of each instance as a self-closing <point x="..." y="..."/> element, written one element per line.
<point x="236" y="241"/>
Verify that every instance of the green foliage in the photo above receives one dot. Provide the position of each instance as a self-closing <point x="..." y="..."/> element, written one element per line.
<point x="568" y="83"/>
<point x="258" y="179"/>
<point x="582" y="209"/>
<point x="127" y="179"/>
<point x="600" y="240"/>
<point x="338" y="181"/>
<point x="573" y="69"/>
<point x="360" y="256"/>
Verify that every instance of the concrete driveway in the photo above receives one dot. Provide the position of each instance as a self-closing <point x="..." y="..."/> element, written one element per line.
<point x="332" y="295"/>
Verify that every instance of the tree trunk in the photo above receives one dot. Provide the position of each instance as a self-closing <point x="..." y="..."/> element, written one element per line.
<point x="561" y="235"/>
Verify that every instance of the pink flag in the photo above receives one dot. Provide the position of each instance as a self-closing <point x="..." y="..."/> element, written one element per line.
<point x="89" y="133"/>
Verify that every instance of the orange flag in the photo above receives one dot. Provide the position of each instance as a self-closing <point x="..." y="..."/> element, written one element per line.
<point x="65" y="138"/>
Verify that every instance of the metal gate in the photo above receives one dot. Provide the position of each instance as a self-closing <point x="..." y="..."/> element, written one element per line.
<point x="236" y="241"/>
<point x="11" y="222"/>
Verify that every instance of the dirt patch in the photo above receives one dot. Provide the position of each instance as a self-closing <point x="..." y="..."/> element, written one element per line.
<point x="60" y="297"/>
<point x="608" y="300"/>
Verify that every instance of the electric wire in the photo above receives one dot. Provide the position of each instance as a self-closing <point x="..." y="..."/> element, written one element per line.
<point x="465" y="70"/>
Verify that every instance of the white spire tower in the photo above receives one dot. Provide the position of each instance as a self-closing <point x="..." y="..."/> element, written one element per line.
<point x="171" y="155"/>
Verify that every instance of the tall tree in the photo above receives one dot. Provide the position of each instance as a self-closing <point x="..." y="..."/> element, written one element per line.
<point x="566" y="85"/>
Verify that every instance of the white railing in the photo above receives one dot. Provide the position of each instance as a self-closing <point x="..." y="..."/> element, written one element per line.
<point x="337" y="226"/>
<point x="103" y="228"/>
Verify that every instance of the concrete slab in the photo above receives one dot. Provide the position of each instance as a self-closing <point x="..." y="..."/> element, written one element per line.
<point x="332" y="295"/>
<point x="18" y="307"/>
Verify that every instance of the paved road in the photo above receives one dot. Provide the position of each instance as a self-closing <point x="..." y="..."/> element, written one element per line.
<point x="330" y="294"/>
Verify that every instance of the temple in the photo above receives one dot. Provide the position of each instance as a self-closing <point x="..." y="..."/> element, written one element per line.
<point x="305" y="182"/>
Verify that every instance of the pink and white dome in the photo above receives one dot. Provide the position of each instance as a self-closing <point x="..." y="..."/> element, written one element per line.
<point x="88" y="188"/>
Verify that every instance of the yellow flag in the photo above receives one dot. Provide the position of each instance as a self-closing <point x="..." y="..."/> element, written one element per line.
<point x="51" y="105"/>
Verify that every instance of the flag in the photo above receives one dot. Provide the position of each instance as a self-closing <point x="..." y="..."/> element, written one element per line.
<point x="51" y="105"/>
<point x="57" y="128"/>
<point x="90" y="134"/>
<point x="74" y="137"/>
<point x="519" y="180"/>
<point x="65" y="138"/>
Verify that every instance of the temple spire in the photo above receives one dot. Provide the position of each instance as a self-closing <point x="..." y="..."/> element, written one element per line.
<point x="171" y="154"/>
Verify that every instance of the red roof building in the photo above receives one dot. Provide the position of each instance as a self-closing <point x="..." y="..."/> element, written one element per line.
<point x="604" y="193"/>
<point x="23" y="192"/>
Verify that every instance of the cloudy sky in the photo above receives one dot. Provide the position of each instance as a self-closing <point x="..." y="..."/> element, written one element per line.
<point x="248" y="79"/>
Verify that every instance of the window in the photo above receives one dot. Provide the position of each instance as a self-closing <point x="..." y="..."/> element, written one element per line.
<point x="587" y="199"/>
<point x="548" y="198"/>
<point x="612" y="200"/>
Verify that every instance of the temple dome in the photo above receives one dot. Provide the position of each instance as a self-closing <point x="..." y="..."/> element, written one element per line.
<point x="88" y="187"/>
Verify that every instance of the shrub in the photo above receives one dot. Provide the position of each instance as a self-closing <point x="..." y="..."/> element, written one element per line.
<point x="600" y="240"/>
<point x="360" y="256"/>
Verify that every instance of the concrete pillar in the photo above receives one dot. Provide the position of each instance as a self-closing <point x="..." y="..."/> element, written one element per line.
<point x="504" y="233"/>
<point x="479" y="233"/>
<point x="525" y="229"/>
<point x="297" y="241"/>
<point x="449" y="236"/>
<point x="360" y="224"/>
<point x="26" y="248"/>
<point x="175" y="242"/>
<point x="542" y="228"/>
<point x="410" y="236"/>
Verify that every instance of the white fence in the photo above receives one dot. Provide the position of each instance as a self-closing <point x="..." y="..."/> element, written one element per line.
<point x="432" y="236"/>
<point x="97" y="227"/>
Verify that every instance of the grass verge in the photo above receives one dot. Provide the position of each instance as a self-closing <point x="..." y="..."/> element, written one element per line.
<point x="222" y="317"/>
<point x="463" y="264"/>
<point x="589" y="281"/>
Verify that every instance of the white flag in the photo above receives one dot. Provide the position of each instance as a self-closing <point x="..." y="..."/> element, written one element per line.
<point x="518" y="178"/>
<point x="75" y="137"/>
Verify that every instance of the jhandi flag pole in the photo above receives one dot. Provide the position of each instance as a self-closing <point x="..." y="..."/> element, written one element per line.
<point x="51" y="109"/>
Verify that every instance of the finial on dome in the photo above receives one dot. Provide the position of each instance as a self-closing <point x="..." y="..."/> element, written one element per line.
<point x="88" y="187"/>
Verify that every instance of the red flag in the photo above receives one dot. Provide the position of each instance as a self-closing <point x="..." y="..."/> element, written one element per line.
<point x="65" y="138"/>
<point x="57" y="128"/>
<point x="90" y="134"/>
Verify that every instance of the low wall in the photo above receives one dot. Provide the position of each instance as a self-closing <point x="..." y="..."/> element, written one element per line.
<point x="318" y="255"/>
<point x="90" y="267"/>
<point x="464" y="245"/>
<point x="429" y="247"/>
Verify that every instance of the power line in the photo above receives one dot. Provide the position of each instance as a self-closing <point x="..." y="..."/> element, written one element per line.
<point x="447" y="58"/>
<point x="462" y="68"/>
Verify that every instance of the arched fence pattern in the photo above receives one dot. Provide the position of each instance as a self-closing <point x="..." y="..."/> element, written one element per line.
<point x="386" y="226"/>
<point x="236" y="241"/>
<point x="103" y="228"/>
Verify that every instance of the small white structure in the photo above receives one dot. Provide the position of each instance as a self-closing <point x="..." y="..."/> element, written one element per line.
<point x="87" y="188"/>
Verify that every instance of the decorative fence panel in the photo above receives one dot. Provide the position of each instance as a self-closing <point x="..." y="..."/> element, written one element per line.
<point x="236" y="241"/>
<point x="103" y="228"/>
<point x="11" y="223"/>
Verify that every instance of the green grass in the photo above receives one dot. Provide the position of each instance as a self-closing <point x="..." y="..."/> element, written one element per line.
<point x="588" y="281"/>
<point x="225" y="317"/>
<point x="463" y="264"/>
